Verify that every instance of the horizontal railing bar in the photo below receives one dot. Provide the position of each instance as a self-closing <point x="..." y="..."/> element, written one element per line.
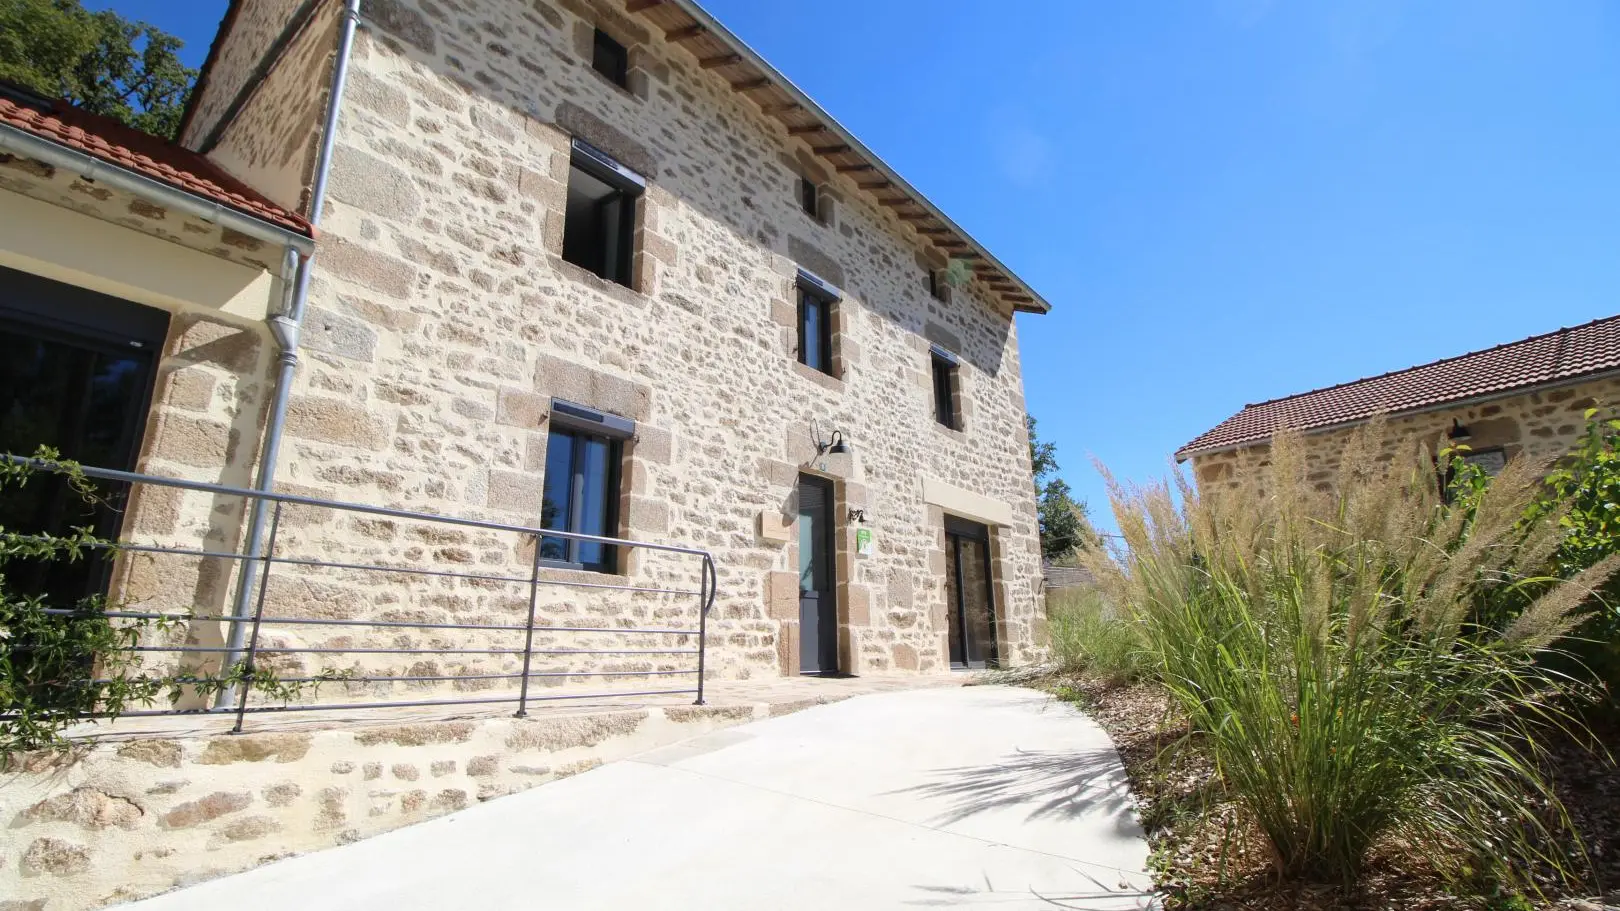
<point x="356" y="706"/>
<point x="130" y="477"/>
<point x="441" y="679"/>
<point x="417" y="651"/>
<point x="370" y="567"/>
<point x="391" y="624"/>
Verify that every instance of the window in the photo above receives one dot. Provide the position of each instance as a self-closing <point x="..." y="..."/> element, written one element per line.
<point x="581" y="492"/>
<point x="939" y="285"/>
<point x="816" y="299"/>
<point x="944" y="367"/>
<point x="611" y="59"/>
<point x="809" y="197"/>
<point x="600" y="223"/>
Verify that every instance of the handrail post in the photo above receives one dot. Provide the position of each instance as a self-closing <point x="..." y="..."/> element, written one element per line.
<point x="528" y="633"/>
<point x="703" y="621"/>
<point x="258" y="617"/>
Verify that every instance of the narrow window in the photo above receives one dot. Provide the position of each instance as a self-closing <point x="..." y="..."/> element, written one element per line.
<point x="599" y="226"/>
<point x="809" y="197"/>
<point x="816" y="300"/>
<point x="611" y="59"/>
<point x="939" y="286"/>
<point x="944" y="367"/>
<point x="581" y="491"/>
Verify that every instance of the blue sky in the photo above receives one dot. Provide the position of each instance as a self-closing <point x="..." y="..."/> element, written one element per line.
<point x="1231" y="200"/>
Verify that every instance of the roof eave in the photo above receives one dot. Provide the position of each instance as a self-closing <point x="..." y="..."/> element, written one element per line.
<point x="1186" y="453"/>
<point x="1037" y="303"/>
<point x="22" y="142"/>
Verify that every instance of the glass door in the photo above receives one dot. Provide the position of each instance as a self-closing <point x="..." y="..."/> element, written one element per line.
<point x="83" y="391"/>
<point x="969" y="598"/>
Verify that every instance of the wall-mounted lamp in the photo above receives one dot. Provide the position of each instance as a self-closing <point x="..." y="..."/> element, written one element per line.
<point x="1458" y="433"/>
<point x="833" y="445"/>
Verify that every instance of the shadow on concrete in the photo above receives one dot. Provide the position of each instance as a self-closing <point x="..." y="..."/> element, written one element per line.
<point x="1103" y="898"/>
<point x="1050" y="784"/>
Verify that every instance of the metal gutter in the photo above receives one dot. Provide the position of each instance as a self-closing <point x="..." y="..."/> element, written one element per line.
<point x="752" y="57"/>
<point x="285" y="326"/>
<point x="1183" y="455"/>
<point x="26" y="144"/>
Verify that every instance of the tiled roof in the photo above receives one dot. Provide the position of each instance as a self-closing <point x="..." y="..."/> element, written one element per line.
<point x="1067" y="576"/>
<point x="1559" y="356"/>
<point x="146" y="155"/>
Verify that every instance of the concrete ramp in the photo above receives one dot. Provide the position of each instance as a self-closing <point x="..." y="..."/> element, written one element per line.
<point x="962" y="797"/>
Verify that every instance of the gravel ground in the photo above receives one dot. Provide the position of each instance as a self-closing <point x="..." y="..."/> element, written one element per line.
<point x="1206" y="861"/>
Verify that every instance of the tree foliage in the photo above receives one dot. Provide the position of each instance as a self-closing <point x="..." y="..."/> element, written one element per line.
<point x="99" y="61"/>
<point x="1065" y="522"/>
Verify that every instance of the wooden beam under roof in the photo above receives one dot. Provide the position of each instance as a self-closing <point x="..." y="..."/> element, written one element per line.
<point x="710" y="63"/>
<point x="872" y="184"/>
<point x="890" y="201"/>
<point x="914" y="216"/>
<point x="748" y="85"/>
<point x="847" y="168"/>
<point x="685" y="33"/>
<point x="831" y="150"/>
<point x="783" y="108"/>
<point x="805" y="131"/>
<point x="933" y="229"/>
<point x="636" y="6"/>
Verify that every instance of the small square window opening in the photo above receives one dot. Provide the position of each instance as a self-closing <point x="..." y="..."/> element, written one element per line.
<point x="944" y="370"/>
<point x="810" y="197"/>
<point x="600" y="221"/>
<point x="939" y="285"/>
<point x="611" y="59"/>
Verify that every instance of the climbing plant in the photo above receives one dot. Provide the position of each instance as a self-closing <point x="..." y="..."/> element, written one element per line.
<point x="62" y="664"/>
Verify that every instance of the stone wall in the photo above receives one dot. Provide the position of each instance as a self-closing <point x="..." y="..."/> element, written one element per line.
<point x="443" y="320"/>
<point x="128" y="818"/>
<point x="1541" y="425"/>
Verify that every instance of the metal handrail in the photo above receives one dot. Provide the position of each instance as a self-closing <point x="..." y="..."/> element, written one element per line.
<point x="264" y="563"/>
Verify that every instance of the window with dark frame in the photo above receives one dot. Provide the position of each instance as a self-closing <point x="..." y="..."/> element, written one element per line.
<point x="810" y="197"/>
<point x="939" y="286"/>
<point x="944" y="370"/>
<point x="581" y="490"/>
<point x="599" y="225"/>
<point x="816" y="301"/>
<point x="611" y="59"/>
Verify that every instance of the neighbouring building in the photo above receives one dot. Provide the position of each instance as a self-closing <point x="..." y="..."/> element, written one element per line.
<point x="1525" y="398"/>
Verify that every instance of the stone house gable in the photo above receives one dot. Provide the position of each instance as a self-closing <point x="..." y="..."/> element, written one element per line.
<point x="445" y="319"/>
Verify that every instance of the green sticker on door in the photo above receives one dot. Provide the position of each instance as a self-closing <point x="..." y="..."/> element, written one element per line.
<point x="863" y="541"/>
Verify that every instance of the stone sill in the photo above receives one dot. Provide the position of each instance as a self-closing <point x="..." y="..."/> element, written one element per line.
<point x="622" y="293"/>
<point x="824" y="380"/>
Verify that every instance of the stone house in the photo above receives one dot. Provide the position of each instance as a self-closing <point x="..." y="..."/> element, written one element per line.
<point x="587" y="264"/>
<point x="1524" y="398"/>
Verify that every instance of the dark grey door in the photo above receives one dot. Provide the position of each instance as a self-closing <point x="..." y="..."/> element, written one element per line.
<point x="818" y="601"/>
<point x="969" y="599"/>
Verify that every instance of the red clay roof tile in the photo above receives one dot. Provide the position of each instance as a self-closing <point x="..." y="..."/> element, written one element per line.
<point x="1566" y="354"/>
<point x="147" y="155"/>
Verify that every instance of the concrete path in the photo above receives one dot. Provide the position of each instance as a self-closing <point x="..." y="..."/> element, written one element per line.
<point x="975" y="797"/>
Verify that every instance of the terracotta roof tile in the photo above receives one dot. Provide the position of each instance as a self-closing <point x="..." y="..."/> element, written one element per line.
<point x="146" y="155"/>
<point x="1558" y="356"/>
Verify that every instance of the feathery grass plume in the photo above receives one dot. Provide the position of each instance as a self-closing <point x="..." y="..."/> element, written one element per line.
<point x="1325" y="638"/>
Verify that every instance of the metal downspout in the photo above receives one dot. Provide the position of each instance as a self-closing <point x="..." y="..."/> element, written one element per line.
<point x="285" y="327"/>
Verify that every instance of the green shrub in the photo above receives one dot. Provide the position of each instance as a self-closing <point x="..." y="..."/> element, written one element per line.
<point x="58" y="669"/>
<point x="1089" y="636"/>
<point x="1322" y="645"/>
